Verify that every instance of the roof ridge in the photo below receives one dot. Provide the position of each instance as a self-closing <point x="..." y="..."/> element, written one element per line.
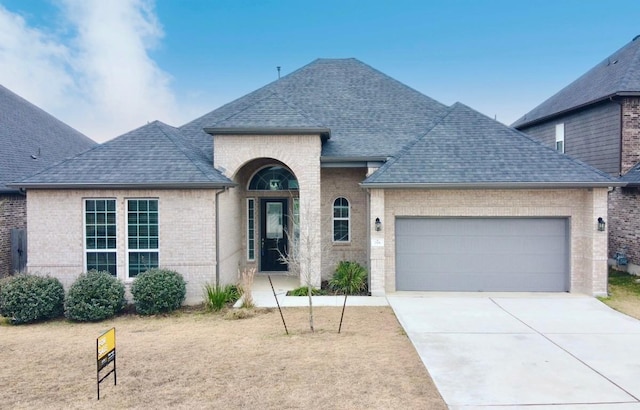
<point x="42" y="111"/>
<point x="265" y="88"/>
<point x="635" y="62"/>
<point x="186" y="148"/>
<point x="404" y="150"/>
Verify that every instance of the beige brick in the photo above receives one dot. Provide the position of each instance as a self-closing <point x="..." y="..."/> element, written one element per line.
<point x="581" y="206"/>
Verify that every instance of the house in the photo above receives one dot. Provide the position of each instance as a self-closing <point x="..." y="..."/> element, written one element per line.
<point x="30" y="141"/>
<point x="335" y="161"/>
<point x="596" y="119"/>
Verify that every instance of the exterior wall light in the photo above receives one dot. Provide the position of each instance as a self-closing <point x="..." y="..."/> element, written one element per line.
<point x="601" y="224"/>
<point x="378" y="225"/>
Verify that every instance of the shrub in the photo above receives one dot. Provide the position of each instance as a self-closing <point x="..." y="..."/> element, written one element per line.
<point x="27" y="298"/>
<point x="304" y="291"/>
<point x="350" y="278"/>
<point x="94" y="296"/>
<point x="158" y="291"/>
<point x="216" y="297"/>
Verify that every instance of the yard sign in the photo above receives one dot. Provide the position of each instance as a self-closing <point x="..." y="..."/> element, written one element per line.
<point x="105" y="354"/>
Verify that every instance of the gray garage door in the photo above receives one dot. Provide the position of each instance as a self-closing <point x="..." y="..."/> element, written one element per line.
<point x="482" y="254"/>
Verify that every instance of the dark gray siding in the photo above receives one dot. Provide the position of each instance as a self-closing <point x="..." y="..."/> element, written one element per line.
<point x="591" y="135"/>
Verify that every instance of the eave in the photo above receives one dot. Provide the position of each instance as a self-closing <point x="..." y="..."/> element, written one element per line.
<point x="557" y="114"/>
<point x="113" y="185"/>
<point x="493" y="185"/>
<point x="325" y="133"/>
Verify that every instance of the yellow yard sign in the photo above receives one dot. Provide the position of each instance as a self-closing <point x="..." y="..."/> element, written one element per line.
<point x="105" y="354"/>
<point x="106" y="342"/>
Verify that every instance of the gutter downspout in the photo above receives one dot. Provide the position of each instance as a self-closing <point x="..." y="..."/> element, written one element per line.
<point x="218" y="235"/>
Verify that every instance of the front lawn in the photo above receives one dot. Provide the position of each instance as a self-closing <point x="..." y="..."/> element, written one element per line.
<point x="192" y="359"/>
<point x="624" y="293"/>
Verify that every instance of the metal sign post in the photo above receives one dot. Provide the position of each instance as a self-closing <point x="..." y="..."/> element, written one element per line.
<point x="105" y="354"/>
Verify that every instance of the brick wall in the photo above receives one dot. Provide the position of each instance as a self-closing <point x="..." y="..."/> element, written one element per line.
<point x="582" y="207"/>
<point x="624" y="223"/>
<point x="13" y="215"/>
<point x="630" y="133"/>
<point x="344" y="182"/>
<point x="237" y="155"/>
<point x="186" y="223"/>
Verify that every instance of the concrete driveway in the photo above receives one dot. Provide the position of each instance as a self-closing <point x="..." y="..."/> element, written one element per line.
<point x="541" y="351"/>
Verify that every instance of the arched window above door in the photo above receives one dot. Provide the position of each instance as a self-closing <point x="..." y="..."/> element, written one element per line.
<point x="274" y="178"/>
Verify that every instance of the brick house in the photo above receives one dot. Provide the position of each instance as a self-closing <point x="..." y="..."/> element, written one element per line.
<point x="596" y="119"/>
<point x="30" y="140"/>
<point x="335" y="161"/>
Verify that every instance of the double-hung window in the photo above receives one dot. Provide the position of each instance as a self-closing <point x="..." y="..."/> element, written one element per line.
<point x="100" y="235"/>
<point x="341" y="220"/>
<point x="142" y="235"/>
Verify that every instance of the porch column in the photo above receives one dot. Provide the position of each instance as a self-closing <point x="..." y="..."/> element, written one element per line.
<point x="310" y="227"/>
<point x="599" y="242"/>
<point x="377" y="243"/>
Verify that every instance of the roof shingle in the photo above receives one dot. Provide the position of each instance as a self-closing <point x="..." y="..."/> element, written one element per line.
<point x="617" y="74"/>
<point x="32" y="140"/>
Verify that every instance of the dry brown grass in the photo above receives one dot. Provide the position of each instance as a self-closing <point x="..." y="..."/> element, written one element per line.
<point x="201" y="361"/>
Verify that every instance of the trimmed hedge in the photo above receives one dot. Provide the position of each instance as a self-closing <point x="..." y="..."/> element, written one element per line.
<point x="94" y="296"/>
<point x="158" y="291"/>
<point x="29" y="298"/>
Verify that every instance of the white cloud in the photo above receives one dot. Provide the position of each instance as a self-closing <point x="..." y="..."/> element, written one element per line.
<point x="100" y="79"/>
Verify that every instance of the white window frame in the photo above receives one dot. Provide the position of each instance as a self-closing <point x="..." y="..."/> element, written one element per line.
<point x="129" y="250"/>
<point x="84" y="234"/>
<point x="251" y="232"/>
<point x="334" y="218"/>
<point x="560" y="137"/>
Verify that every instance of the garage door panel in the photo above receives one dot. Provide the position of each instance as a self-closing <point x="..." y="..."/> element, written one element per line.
<point x="482" y="254"/>
<point x="478" y="283"/>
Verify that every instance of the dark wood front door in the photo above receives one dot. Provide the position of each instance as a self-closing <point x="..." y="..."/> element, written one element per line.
<point x="273" y="234"/>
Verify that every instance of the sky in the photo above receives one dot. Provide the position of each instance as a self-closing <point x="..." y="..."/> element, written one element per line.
<point x="107" y="67"/>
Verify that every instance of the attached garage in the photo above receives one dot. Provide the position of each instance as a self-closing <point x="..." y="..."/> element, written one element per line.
<point x="483" y="254"/>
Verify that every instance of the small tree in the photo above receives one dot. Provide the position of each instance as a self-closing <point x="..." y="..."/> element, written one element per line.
<point x="302" y="253"/>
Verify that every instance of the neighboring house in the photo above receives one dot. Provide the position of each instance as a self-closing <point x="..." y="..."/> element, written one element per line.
<point x="335" y="161"/>
<point x="30" y="141"/>
<point x="596" y="119"/>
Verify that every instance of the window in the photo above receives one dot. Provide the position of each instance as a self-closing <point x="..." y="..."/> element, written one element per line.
<point x="100" y="234"/>
<point x="251" y="229"/>
<point x="341" y="220"/>
<point x="273" y="179"/>
<point x="560" y="137"/>
<point x="142" y="235"/>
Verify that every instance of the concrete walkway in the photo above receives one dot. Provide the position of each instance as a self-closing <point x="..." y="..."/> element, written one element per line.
<point x="263" y="295"/>
<point x="533" y="351"/>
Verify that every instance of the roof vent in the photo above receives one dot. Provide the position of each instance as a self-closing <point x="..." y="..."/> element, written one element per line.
<point x="636" y="37"/>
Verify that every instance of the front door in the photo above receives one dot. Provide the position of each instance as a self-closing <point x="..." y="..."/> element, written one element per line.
<point x="273" y="236"/>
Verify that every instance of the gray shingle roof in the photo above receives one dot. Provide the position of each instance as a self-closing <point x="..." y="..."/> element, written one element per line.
<point x="619" y="74"/>
<point x="466" y="148"/>
<point x="155" y="155"/>
<point x="26" y="131"/>
<point x="632" y="177"/>
<point x="369" y="113"/>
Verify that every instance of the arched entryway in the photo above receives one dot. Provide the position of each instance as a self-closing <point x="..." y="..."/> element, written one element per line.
<point x="272" y="214"/>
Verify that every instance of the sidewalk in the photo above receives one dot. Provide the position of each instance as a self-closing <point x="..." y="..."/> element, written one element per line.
<point x="263" y="295"/>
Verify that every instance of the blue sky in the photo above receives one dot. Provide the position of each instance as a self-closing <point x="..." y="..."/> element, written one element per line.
<point x="108" y="67"/>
